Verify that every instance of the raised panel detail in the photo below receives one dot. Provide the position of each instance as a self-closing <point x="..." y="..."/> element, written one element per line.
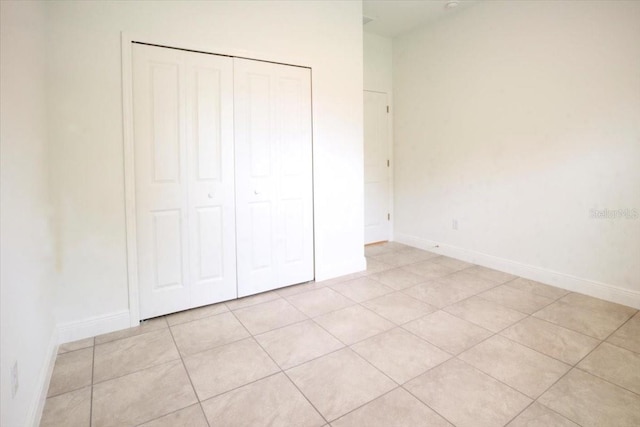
<point x="167" y="245"/>
<point x="290" y="126"/>
<point x="261" y="238"/>
<point x="208" y="123"/>
<point x="166" y="122"/>
<point x="259" y="125"/>
<point x="293" y="216"/>
<point x="210" y="244"/>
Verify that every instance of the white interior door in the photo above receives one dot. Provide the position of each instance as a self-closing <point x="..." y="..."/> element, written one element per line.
<point x="183" y="136"/>
<point x="274" y="205"/>
<point x="376" y="168"/>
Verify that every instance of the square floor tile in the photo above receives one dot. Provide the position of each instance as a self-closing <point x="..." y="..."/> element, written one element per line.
<point x="537" y="288"/>
<point x="398" y="307"/>
<point x="523" y="301"/>
<point x="199" y="335"/>
<point x="71" y="409"/>
<point x="490" y="274"/>
<point x="538" y="415"/>
<point x="352" y="383"/>
<point x="599" y="305"/>
<point x="71" y="371"/>
<point x="467" y="397"/>
<point x="377" y="249"/>
<point x="143" y="328"/>
<point x="591" y="401"/>
<point x="397" y="246"/>
<point x="439" y="294"/>
<point x="628" y="336"/>
<point x="400" y="355"/>
<point x="473" y="283"/>
<point x="224" y="368"/>
<point x="526" y="370"/>
<point x="269" y="315"/>
<point x="353" y="324"/>
<point x="487" y="314"/>
<point x="374" y="266"/>
<point x="75" y="345"/>
<point x="320" y="301"/>
<point x="273" y="401"/>
<point x="299" y="289"/>
<point x="399" y="258"/>
<point x="455" y="264"/>
<point x="396" y="408"/>
<point x="422" y="252"/>
<point x="615" y="364"/>
<point x="340" y="279"/>
<point x="398" y="278"/>
<point x="299" y="343"/>
<point x="553" y="340"/>
<point x="196" y="313"/>
<point x="121" y="357"/>
<point x="142" y="396"/>
<point x="361" y="289"/>
<point x="428" y="269"/>
<point x="447" y="332"/>
<point x="586" y="315"/>
<point x="252" y="300"/>
<point x="187" y="417"/>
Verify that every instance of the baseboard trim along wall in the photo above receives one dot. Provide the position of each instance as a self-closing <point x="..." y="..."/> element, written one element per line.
<point x="561" y="280"/>
<point x="44" y="378"/>
<point x="86" y="328"/>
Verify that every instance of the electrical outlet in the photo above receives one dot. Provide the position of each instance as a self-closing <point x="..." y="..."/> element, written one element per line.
<point x="454" y="224"/>
<point x="14" y="379"/>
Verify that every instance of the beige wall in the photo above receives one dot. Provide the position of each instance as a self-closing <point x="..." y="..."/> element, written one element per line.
<point x="26" y="262"/>
<point x="517" y="119"/>
<point x="378" y="63"/>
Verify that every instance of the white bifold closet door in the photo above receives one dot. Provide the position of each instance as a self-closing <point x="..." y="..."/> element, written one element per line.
<point x="219" y="215"/>
<point x="184" y="174"/>
<point x="274" y="205"/>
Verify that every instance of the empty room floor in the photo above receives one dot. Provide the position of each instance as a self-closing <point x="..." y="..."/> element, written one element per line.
<point x="416" y="340"/>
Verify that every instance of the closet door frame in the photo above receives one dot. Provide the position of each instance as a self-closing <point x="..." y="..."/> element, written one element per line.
<point x="126" y="42"/>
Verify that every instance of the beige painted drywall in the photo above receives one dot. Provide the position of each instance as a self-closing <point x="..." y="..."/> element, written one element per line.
<point x="517" y="119"/>
<point x="378" y="63"/>
<point x="85" y="123"/>
<point x="26" y="261"/>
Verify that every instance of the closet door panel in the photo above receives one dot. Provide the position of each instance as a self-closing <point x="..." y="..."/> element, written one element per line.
<point x="211" y="189"/>
<point x="273" y="175"/>
<point x="183" y="137"/>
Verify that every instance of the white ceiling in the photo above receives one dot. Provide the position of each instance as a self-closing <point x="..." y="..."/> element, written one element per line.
<point x="394" y="17"/>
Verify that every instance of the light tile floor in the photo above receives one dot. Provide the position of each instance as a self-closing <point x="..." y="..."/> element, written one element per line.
<point x="417" y="340"/>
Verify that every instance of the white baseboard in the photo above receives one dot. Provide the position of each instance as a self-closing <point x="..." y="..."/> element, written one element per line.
<point x="86" y="328"/>
<point x="342" y="269"/>
<point x="44" y="377"/>
<point x="592" y="288"/>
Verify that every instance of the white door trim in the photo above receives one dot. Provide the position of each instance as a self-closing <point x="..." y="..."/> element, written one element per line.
<point x="390" y="169"/>
<point x="126" y="40"/>
<point x="130" y="179"/>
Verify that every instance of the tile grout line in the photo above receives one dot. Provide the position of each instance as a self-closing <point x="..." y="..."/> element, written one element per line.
<point x="280" y="371"/>
<point x="572" y="366"/>
<point x="93" y="367"/>
<point x="395" y="325"/>
<point x="184" y="366"/>
<point x="424" y="403"/>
